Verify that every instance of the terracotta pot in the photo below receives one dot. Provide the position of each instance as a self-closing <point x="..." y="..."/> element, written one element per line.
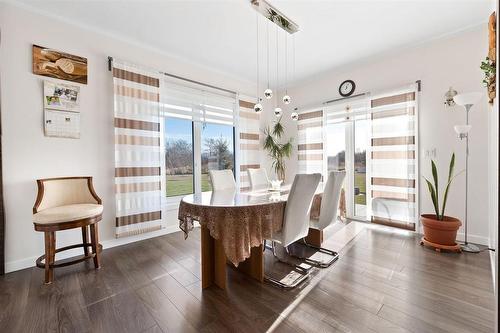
<point x="440" y="232"/>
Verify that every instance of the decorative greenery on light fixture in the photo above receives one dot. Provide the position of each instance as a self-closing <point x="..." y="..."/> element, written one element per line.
<point x="277" y="151"/>
<point x="278" y="19"/>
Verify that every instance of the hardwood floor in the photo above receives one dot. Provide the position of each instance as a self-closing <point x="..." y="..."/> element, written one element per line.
<point x="384" y="281"/>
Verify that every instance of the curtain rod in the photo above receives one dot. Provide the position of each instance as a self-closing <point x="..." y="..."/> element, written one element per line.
<point x="343" y="98"/>
<point x="110" y="66"/>
<point x="419" y="88"/>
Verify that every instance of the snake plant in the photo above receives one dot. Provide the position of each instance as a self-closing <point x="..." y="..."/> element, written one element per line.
<point x="434" y="188"/>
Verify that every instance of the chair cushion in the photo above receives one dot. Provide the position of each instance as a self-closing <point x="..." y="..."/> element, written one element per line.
<point x="67" y="213"/>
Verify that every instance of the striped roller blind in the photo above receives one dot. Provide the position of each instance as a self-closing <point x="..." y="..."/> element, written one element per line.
<point x="137" y="150"/>
<point x="196" y="103"/>
<point x="310" y="142"/>
<point x="249" y="137"/>
<point x="393" y="158"/>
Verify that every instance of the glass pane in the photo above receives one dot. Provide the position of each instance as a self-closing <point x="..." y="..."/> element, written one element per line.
<point x="179" y="156"/>
<point x="361" y="132"/>
<point x="336" y="146"/>
<point x="336" y="150"/>
<point x="217" y="151"/>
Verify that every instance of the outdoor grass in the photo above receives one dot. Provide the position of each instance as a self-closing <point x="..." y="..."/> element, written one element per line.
<point x="183" y="184"/>
<point x="360" y="181"/>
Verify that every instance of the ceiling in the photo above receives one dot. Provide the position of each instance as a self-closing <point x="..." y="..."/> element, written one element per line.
<point x="222" y="34"/>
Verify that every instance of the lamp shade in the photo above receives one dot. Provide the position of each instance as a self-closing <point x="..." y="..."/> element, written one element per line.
<point x="462" y="129"/>
<point x="468" y="98"/>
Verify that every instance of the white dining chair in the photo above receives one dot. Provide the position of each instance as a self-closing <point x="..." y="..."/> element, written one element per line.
<point x="258" y="178"/>
<point x="296" y="220"/>
<point x="328" y="213"/>
<point x="222" y="180"/>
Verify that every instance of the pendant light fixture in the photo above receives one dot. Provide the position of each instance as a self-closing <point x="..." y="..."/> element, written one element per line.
<point x="258" y="107"/>
<point x="272" y="14"/>
<point x="277" y="110"/>
<point x="286" y="98"/>
<point x="268" y="93"/>
<point x="295" y="114"/>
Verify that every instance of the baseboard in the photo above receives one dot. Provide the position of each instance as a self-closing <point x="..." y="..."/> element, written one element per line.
<point x="474" y="239"/>
<point x="106" y="244"/>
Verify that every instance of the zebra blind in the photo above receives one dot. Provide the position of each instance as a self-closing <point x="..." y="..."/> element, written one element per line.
<point x="393" y="158"/>
<point x="196" y="103"/>
<point x="249" y="139"/>
<point x="310" y="145"/>
<point x="137" y="150"/>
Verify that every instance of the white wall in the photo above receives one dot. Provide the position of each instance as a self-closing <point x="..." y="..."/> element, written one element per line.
<point x="28" y="154"/>
<point x="439" y="64"/>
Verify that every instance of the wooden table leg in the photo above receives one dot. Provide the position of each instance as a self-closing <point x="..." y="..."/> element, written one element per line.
<point x="213" y="261"/>
<point x="50" y="254"/>
<point x="254" y="266"/>
<point x="314" y="237"/>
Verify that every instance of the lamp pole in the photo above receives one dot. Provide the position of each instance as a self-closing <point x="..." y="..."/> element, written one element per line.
<point x="466" y="247"/>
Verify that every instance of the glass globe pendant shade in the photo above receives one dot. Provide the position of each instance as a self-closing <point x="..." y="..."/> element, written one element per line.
<point x="258" y="108"/>
<point x="294" y="116"/>
<point x="278" y="112"/>
<point x="287" y="99"/>
<point x="268" y="93"/>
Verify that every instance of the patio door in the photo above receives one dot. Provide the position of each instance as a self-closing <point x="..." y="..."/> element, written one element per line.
<point x="347" y="146"/>
<point x="374" y="139"/>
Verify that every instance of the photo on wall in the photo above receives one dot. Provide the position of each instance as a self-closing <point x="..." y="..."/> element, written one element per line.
<point x="59" y="65"/>
<point x="60" y="96"/>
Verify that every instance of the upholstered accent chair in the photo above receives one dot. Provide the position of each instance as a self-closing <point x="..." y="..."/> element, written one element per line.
<point x="62" y="204"/>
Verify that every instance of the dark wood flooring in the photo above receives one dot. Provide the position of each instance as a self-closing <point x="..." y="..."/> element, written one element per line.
<point x="384" y="282"/>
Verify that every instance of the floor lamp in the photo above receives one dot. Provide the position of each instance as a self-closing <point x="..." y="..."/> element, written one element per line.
<point x="467" y="101"/>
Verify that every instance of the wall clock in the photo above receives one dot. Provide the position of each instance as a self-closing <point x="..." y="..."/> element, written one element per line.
<point x="346" y="88"/>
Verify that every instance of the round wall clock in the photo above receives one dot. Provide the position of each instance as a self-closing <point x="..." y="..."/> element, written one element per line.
<point x="346" y="88"/>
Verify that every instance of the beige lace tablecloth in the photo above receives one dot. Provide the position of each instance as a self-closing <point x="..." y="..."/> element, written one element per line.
<point x="239" y="228"/>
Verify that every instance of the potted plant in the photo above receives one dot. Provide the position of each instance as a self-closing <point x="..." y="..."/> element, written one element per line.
<point x="276" y="150"/>
<point x="439" y="229"/>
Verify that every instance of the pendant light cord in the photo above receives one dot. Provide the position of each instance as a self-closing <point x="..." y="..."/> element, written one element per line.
<point x="286" y="65"/>
<point x="277" y="77"/>
<point x="257" y="25"/>
<point x="293" y="51"/>
<point x="267" y="30"/>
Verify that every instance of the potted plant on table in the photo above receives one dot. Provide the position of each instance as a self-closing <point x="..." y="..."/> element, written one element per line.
<point x="440" y="231"/>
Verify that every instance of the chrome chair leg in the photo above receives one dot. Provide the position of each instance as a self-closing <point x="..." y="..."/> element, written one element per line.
<point x="319" y="263"/>
<point x="304" y="272"/>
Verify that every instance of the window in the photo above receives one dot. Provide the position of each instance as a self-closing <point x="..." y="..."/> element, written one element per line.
<point x="178" y="156"/>
<point x="198" y="135"/>
<point x="217" y="151"/>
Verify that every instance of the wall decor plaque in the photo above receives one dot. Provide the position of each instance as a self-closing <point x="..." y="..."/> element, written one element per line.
<point x="59" y="65"/>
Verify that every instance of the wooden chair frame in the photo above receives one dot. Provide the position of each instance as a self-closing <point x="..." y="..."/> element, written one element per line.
<point x="47" y="261"/>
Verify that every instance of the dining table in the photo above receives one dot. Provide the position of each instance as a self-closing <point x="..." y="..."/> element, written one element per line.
<point x="234" y="225"/>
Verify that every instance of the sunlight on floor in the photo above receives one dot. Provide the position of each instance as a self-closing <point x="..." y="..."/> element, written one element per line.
<point x="336" y="242"/>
